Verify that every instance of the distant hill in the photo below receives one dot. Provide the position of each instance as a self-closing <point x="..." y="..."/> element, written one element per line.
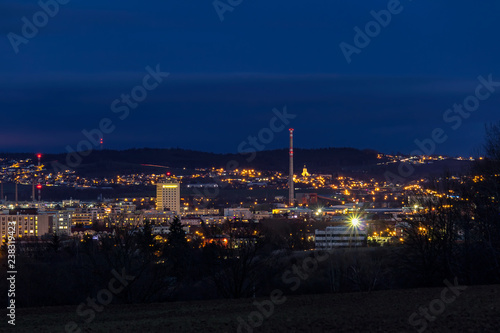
<point x="345" y="161"/>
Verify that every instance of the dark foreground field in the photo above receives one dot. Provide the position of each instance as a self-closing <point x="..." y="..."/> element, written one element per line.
<point x="476" y="309"/>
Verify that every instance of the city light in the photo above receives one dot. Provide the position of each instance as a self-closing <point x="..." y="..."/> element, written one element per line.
<point x="355" y="222"/>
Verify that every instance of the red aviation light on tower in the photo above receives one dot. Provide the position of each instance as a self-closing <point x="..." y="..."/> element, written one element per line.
<point x="39" y="187"/>
<point x="168" y="174"/>
<point x="291" y="186"/>
<point x="39" y="156"/>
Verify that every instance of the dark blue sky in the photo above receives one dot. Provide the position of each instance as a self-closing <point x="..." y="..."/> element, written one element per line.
<point x="226" y="77"/>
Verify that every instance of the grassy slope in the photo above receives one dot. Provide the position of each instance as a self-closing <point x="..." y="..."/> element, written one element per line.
<point x="477" y="309"/>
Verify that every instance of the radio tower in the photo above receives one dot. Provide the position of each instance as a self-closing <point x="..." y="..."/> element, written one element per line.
<point x="291" y="184"/>
<point x="39" y="156"/>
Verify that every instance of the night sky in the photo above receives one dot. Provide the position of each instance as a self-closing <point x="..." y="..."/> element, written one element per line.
<point x="227" y="76"/>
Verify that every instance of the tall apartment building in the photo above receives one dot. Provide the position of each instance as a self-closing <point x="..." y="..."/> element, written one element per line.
<point x="168" y="196"/>
<point x="82" y="216"/>
<point x="61" y="222"/>
<point x="26" y="225"/>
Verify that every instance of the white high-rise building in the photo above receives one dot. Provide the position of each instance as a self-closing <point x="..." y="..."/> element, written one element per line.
<point x="168" y="196"/>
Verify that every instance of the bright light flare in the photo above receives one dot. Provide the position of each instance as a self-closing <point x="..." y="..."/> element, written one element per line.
<point x="355" y="222"/>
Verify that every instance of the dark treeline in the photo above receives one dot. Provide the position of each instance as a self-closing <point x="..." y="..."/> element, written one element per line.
<point x="65" y="271"/>
<point x="457" y="234"/>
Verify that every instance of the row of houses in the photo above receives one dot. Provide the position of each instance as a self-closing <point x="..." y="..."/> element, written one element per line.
<point x="33" y="222"/>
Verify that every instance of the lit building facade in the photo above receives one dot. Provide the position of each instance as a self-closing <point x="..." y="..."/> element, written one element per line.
<point x="305" y="173"/>
<point x="168" y="196"/>
<point x="61" y="221"/>
<point x="240" y="213"/>
<point x="26" y="225"/>
<point x="339" y="236"/>
<point x="154" y="217"/>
